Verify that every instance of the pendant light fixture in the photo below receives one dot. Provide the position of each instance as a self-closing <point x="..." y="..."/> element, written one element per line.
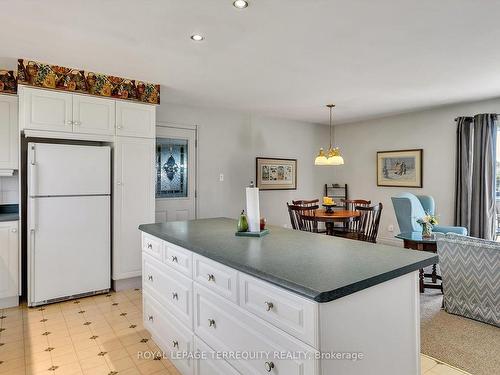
<point x="332" y="156"/>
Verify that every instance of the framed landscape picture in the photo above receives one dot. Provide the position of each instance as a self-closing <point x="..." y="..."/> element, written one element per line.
<point x="402" y="168"/>
<point x="276" y="174"/>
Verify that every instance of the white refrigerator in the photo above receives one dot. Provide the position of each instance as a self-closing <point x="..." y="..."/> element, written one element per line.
<point x="69" y="227"/>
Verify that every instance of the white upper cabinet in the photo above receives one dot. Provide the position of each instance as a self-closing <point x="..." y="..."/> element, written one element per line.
<point x="135" y="120"/>
<point x="45" y="110"/>
<point x="84" y="114"/>
<point x="9" y="158"/>
<point x="93" y="115"/>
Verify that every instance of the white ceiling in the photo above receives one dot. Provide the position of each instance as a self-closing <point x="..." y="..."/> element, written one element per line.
<point x="284" y="58"/>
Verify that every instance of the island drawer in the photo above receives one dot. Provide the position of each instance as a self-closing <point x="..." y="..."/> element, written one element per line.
<point x="178" y="258"/>
<point x="227" y="327"/>
<point x="207" y="364"/>
<point x="172" y="338"/>
<point x="216" y="277"/>
<point x="285" y="310"/>
<point x="152" y="246"/>
<point x="170" y="288"/>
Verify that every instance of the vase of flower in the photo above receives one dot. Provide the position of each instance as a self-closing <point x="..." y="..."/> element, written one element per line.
<point x="426" y="230"/>
<point x="427" y="222"/>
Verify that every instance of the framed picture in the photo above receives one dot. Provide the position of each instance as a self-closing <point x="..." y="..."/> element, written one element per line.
<point x="276" y="174"/>
<point x="401" y="168"/>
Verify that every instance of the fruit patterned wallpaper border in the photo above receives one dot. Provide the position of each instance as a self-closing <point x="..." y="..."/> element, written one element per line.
<point x="8" y="82"/>
<point x="69" y="79"/>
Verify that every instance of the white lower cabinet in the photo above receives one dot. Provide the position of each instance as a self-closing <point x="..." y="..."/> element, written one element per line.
<point x="243" y="325"/>
<point x="9" y="264"/>
<point x="172" y="337"/>
<point x="287" y="311"/>
<point x="189" y="297"/>
<point x="174" y="291"/>
<point x="207" y="361"/>
<point x="226" y="327"/>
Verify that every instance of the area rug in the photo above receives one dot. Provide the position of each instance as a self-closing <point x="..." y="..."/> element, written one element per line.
<point x="464" y="343"/>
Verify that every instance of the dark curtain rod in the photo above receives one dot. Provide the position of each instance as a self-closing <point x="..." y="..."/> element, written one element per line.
<point x="456" y="118"/>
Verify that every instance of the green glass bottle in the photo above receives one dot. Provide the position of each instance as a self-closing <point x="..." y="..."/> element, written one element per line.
<point x="243" y="222"/>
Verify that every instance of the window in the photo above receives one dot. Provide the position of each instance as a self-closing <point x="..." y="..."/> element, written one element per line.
<point x="171" y="168"/>
<point x="497" y="185"/>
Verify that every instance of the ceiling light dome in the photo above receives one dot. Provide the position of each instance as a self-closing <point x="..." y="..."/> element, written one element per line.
<point x="197" y="37"/>
<point x="321" y="158"/>
<point x="240" y="4"/>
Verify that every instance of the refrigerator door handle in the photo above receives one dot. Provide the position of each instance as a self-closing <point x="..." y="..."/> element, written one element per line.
<point x="32" y="180"/>
<point x="32" y="215"/>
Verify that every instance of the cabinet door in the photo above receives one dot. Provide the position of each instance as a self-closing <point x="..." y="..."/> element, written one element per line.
<point x="8" y="133"/>
<point x="46" y="110"/>
<point x="135" y="120"/>
<point x="9" y="257"/>
<point x="93" y="115"/>
<point x="134" y="200"/>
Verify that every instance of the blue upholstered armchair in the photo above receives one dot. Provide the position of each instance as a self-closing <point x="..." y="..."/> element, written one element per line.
<point x="410" y="207"/>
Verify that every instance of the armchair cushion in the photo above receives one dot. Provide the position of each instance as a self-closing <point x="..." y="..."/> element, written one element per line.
<point x="449" y="229"/>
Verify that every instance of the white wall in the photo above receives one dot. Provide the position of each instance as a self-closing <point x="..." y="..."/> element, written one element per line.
<point x="9" y="189"/>
<point x="433" y="130"/>
<point x="229" y="142"/>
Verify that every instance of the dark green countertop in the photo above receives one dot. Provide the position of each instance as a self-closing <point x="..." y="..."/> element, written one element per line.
<point x="316" y="266"/>
<point x="9" y="212"/>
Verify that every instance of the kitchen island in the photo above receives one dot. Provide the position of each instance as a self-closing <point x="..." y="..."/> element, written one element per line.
<point x="288" y="303"/>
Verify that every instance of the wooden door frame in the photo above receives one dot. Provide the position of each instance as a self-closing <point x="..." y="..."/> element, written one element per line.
<point x="176" y="125"/>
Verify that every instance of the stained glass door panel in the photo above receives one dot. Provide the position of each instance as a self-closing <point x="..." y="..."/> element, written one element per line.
<point x="171" y="168"/>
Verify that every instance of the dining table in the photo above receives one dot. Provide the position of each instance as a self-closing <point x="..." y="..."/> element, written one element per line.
<point x="331" y="217"/>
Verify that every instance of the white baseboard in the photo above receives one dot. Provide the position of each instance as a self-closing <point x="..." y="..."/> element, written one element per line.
<point x="124" y="284"/>
<point x="9" y="302"/>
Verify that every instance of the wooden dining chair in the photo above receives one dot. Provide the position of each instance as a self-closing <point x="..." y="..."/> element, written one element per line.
<point x="306" y="203"/>
<point x="351" y="204"/>
<point x="310" y="203"/>
<point x="349" y="226"/>
<point x="366" y="227"/>
<point x="303" y="217"/>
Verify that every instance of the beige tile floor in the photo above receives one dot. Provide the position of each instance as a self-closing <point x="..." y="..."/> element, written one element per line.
<point x="94" y="335"/>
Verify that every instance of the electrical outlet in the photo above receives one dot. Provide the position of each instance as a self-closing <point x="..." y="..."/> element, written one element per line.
<point x="390" y="228"/>
<point x="221" y="177"/>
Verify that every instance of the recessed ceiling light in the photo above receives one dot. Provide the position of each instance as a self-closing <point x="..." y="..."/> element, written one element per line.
<point x="197" y="37"/>
<point x="240" y="4"/>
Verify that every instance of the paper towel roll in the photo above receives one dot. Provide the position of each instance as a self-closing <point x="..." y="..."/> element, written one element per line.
<point x="253" y="210"/>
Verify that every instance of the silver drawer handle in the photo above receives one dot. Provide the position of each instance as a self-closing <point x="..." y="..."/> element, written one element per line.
<point x="70" y="122"/>
<point x="150" y="246"/>
<point x="174" y="259"/>
<point x="211" y="323"/>
<point x="150" y="318"/>
<point x="269" y="306"/>
<point x="269" y="366"/>
<point x="175" y="344"/>
<point x="211" y="277"/>
<point x="150" y="277"/>
<point x="76" y="123"/>
<point x="14" y="230"/>
<point x="175" y="296"/>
